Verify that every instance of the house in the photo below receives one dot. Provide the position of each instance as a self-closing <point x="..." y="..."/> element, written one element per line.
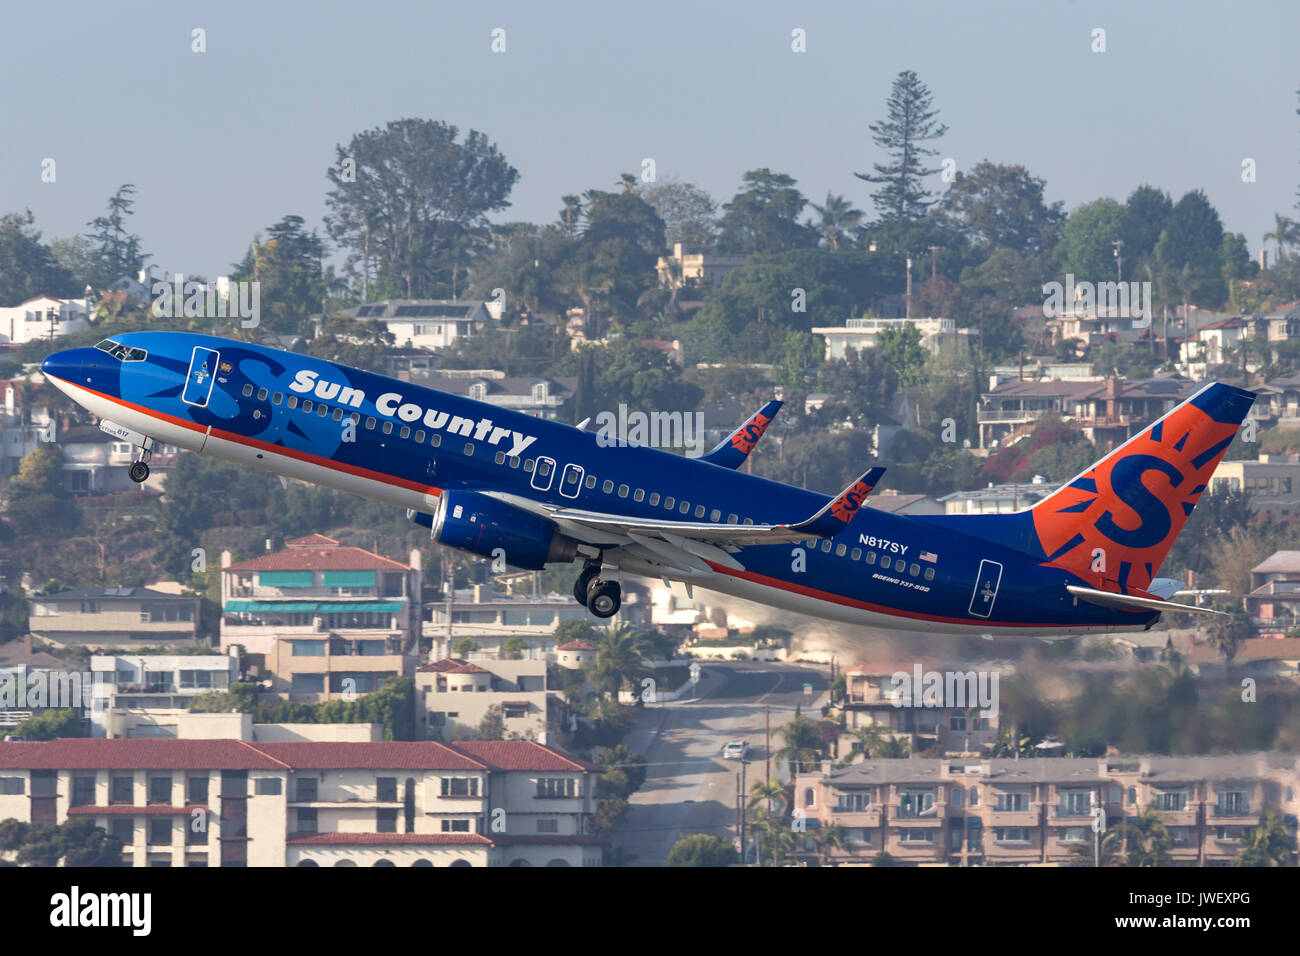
<point x="1039" y="811"/>
<point x="997" y="499"/>
<point x="539" y="397"/>
<point x="234" y="802"/>
<point x="137" y="682"/>
<point x="328" y="620"/>
<point x="452" y="696"/>
<point x="97" y="463"/>
<point x="113" y="617"/>
<point x="25" y="422"/>
<point x="699" y="268"/>
<point x="42" y="317"/>
<point x="859" y="334"/>
<point x="1272" y="482"/>
<point x="430" y="324"/>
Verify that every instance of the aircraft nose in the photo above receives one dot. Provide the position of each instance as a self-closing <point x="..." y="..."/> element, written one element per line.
<point x="69" y="365"/>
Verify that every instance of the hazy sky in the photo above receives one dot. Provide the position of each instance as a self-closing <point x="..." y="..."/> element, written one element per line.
<point x="223" y="143"/>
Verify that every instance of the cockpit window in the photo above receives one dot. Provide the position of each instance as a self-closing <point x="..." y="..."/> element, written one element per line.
<point x="123" y="353"/>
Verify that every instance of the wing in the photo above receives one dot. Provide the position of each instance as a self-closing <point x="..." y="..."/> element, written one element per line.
<point x="1131" y="602"/>
<point x="732" y="451"/>
<point x="685" y="543"/>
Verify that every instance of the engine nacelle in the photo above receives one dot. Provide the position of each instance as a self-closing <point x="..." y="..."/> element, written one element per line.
<point x="490" y="528"/>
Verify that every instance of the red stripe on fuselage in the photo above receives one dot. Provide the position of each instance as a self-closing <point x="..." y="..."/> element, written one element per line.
<point x="238" y="439"/>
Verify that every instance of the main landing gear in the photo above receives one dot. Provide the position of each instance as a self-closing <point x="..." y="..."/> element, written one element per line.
<point x="602" y="598"/>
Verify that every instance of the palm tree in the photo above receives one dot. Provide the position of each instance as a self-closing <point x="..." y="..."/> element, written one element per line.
<point x="803" y="743"/>
<point x="838" y="217"/>
<point x="1110" y="851"/>
<point x="762" y="794"/>
<point x="1148" y="842"/>
<point x="1285" y="233"/>
<point x="620" y="656"/>
<point x="571" y="214"/>
<point x="1271" y="843"/>
<point x="829" y="836"/>
<point x="774" y="837"/>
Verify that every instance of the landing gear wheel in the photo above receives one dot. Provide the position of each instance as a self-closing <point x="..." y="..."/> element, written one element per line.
<point x="604" y="598"/>
<point x="584" y="580"/>
<point x="138" y="472"/>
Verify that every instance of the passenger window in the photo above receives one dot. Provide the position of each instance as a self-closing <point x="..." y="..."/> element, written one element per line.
<point x="840" y="550"/>
<point x="307" y="406"/>
<point x="544" y="468"/>
<point x="528" y="464"/>
<point x="277" y="398"/>
<point x="855" y="554"/>
<point x="669" y="502"/>
<point x="322" y="410"/>
<point x="388" y="428"/>
<point x="356" y="419"/>
<point x="639" y="495"/>
<point x="715" y="515"/>
<point x="826" y="545"/>
<point x="699" y="511"/>
<point x="499" y="458"/>
<point x="607" y="487"/>
<point x="871" y="557"/>
<point x="654" y="498"/>
<point x="929" y="574"/>
<point x="622" y="491"/>
<point x="261" y="394"/>
<point x="591" y="482"/>
<point x="914" y="570"/>
<point x="684" y="507"/>
<point x="469" y="448"/>
<point x="419" y="436"/>
<point x="435" y="439"/>
<point x="292" y="401"/>
<point x="732" y="519"/>
<point x="404" y="432"/>
<point x="248" y="390"/>
<point x="370" y="424"/>
<point x="748" y="521"/>
<point x="338" y="415"/>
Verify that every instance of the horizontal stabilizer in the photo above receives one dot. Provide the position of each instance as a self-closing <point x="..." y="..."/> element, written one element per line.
<point x="834" y="518"/>
<point x="732" y="451"/>
<point x="1131" y="602"/>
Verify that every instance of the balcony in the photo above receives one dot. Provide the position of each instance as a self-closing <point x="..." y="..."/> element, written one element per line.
<point x="1186" y="817"/>
<point x="867" y="817"/>
<point x="1014" y="818"/>
<point x="1234" y="813"/>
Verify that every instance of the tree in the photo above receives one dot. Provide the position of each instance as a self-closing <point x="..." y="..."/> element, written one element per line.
<point x="39" y="471"/>
<point x="828" y="837"/>
<point x="513" y="649"/>
<point x="1146" y="211"/>
<point x="883" y="858"/>
<point x="1187" y="254"/>
<point x="620" y="656"/>
<point x="796" y="372"/>
<point x="836" y="220"/>
<point x="27" y="266"/>
<point x="764" y="216"/>
<point x="1147" y="842"/>
<point x="493" y="724"/>
<point x="1270" y="844"/>
<point x="1108" y="852"/>
<point x="910" y="123"/>
<point x="996" y="206"/>
<point x="1285" y="233"/>
<point x="902" y="348"/>
<point x="405" y="193"/>
<point x="1086" y="249"/>
<point x="464" y="647"/>
<point x="53" y="724"/>
<point x="613" y="262"/>
<point x="289" y="267"/>
<point x="803" y="744"/>
<point x="116" y="252"/>
<point x="689" y="213"/>
<point x="701" y="849"/>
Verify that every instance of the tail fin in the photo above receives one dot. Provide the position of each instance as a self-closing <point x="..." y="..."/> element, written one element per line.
<point x="1114" y="524"/>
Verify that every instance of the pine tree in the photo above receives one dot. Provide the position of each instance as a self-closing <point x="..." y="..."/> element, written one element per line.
<point x="911" y="123"/>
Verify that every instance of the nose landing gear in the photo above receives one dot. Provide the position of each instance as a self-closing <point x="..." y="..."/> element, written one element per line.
<point x="139" y="470"/>
<point x="601" y="598"/>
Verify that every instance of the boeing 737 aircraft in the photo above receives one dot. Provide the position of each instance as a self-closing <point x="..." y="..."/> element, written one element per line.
<point x="501" y="484"/>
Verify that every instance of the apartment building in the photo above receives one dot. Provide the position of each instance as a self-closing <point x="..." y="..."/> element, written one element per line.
<point x="859" y="334"/>
<point x="114" y="616"/>
<point x="328" y="620"/>
<point x="143" y="682"/>
<point x="880" y="696"/>
<point x="452" y="696"/>
<point x="1272" y="482"/>
<point x="1032" y="812"/>
<point x="42" y="317"/>
<point x="239" y="803"/>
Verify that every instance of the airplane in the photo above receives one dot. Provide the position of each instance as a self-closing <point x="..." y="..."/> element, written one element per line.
<point x="508" y="486"/>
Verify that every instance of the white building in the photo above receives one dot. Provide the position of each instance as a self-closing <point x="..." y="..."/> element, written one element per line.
<point x="427" y="323"/>
<point x="140" y="682"/>
<point x="860" y="334"/>
<point x="453" y="696"/>
<point x="42" y="317"/>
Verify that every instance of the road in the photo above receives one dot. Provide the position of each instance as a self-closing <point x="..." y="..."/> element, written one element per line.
<point x="689" y="787"/>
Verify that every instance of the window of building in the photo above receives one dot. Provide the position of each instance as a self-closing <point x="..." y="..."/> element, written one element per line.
<point x="121" y="790"/>
<point x="196" y="790"/>
<point x="852" y="802"/>
<point x="386" y="789"/>
<point x="307" y="683"/>
<point x="386" y="820"/>
<point x="548" y="825"/>
<point x="83" y="791"/>
<point x="455" y="826"/>
<point x="160" y="789"/>
<point x="1011" y="834"/>
<point x="10" y="786"/>
<point x="267" y="786"/>
<point x="308" y="648"/>
<point x="460" y="786"/>
<point x="123" y="828"/>
<point x="306" y="819"/>
<point x="160" y="831"/>
<point x="557" y="787"/>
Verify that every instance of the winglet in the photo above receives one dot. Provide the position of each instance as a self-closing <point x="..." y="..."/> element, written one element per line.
<point x="732" y="451"/>
<point x="841" y="509"/>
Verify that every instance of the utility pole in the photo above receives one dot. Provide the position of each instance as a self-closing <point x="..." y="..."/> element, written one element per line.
<point x="743" y="765"/>
<point x="907" y="299"/>
<point x="1119" y="259"/>
<point x="767" y="747"/>
<point x="934" y="263"/>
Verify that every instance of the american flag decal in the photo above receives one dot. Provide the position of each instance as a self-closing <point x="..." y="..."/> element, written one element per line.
<point x="929" y="556"/>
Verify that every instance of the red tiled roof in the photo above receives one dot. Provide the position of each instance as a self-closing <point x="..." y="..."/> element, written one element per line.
<point x="129" y="753"/>
<point x="122" y="810"/>
<point x="313" y="541"/>
<point x="575" y="646"/>
<point x="334" y="557"/>
<point x="522" y="755"/>
<point x="387" y="839"/>
<point x="453" y="665"/>
<point x="547" y="839"/>
<point x="378" y="755"/>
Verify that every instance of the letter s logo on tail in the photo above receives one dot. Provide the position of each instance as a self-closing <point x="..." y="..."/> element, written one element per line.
<point x="1132" y="504"/>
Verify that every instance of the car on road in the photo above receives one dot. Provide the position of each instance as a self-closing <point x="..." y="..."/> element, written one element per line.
<point x="735" y="750"/>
